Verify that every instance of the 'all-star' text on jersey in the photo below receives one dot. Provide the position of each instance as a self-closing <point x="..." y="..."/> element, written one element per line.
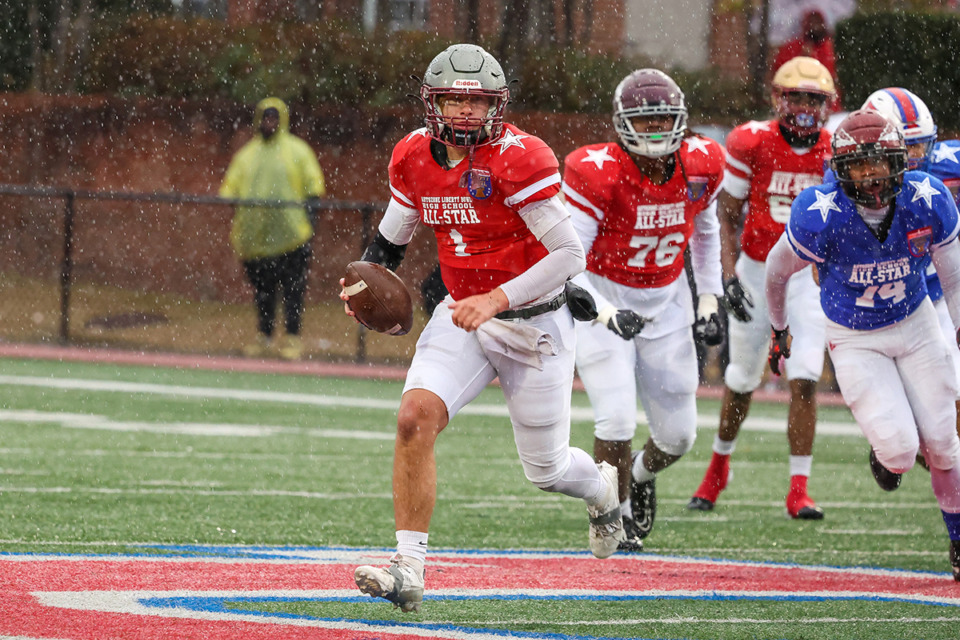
<point x="482" y="241"/>
<point x="864" y="283"/>
<point x="766" y="171"/>
<point x="643" y="227"/>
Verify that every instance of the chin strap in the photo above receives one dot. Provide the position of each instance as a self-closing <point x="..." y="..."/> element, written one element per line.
<point x="468" y="176"/>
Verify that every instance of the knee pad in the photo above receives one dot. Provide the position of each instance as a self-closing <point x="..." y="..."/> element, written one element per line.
<point x="617" y="428"/>
<point x="739" y="379"/>
<point x="898" y="462"/>
<point x="678" y="444"/>
<point x="942" y="455"/>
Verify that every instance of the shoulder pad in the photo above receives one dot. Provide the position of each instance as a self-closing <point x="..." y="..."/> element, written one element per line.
<point x="814" y="208"/>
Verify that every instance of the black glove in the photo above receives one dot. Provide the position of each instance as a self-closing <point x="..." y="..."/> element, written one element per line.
<point x="626" y="323"/>
<point x="708" y="329"/>
<point x="581" y="303"/>
<point x="737" y="299"/>
<point x="779" y="348"/>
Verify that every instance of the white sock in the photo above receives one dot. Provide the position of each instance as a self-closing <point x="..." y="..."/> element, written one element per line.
<point x="626" y="509"/>
<point x="412" y="545"/>
<point x="723" y="447"/>
<point x="800" y="465"/>
<point x="582" y="479"/>
<point x="640" y="472"/>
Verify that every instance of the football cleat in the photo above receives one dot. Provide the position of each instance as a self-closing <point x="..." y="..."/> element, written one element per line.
<point x="955" y="558"/>
<point x="401" y="583"/>
<point x="633" y="542"/>
<point x="643" y="501"/>
<point x="606" y="525"/>
<point x="888" y="480"/>
<point x="800" y="506"/>
<point x="715" y="480"/>
<point x="699" y="504"/>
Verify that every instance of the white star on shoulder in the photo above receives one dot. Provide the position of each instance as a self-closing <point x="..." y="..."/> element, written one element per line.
<point x="422" y="131"/>
<point x="698" y="144"/>
<point x="825" y="203"/>
<point x="924" y="190"/>
<point x="598" y="157"/>
<point x="757" y="125"/>
<point x="510" y="139"/>
<point x="945" y="152"/>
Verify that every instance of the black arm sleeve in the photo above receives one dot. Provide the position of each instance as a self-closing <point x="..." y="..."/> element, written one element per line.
<point x="383" y="252"/>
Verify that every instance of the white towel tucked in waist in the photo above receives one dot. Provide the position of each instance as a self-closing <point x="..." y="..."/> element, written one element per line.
<point x="518" y="341"/>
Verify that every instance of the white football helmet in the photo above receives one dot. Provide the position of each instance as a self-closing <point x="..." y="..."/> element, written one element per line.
<point x="464" y="69"/>
<point x="913" y="117"/>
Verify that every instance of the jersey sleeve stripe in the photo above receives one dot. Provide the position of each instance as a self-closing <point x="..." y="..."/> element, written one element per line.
<point x="736" y="186"/>
<point x="952" y="235"/>
<point x="801" y="250"/>
<point x="400" y="197"/>
<point x="739" y="166"/>
<point x="581" y="202"/>
<point x="539" y="185"/>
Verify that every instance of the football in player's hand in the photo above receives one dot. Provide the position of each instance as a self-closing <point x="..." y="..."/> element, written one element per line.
<point x="378" y="298"/>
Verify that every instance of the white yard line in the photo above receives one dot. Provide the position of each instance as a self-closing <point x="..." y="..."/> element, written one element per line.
<point x="578" y="414"/>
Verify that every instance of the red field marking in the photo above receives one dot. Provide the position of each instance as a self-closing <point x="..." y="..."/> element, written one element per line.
<point x="25" y="580"/>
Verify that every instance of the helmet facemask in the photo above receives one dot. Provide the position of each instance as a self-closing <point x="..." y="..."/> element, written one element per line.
<point x="876" y="191"/>
<point x="919" y="152"/>
<point x="653" y="144"/>
<point x="802" y="113"/>
<point x="461" y="132"/>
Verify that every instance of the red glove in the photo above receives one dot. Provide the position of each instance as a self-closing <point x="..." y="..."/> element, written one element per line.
<point x="779" y="348"/>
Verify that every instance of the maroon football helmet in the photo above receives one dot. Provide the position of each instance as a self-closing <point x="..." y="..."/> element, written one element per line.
<point x="644" y="93"/>
<point x="865" y="135"/>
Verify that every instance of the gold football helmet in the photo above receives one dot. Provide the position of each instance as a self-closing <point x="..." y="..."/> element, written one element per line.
<point x="802" y="92"/>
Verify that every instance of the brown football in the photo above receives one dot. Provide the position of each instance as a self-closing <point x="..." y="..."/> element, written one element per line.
<point x="378" y="298"/>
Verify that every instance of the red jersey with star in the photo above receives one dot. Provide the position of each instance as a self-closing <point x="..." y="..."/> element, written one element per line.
<point x="481" y="240"/>
<point x="763" y="169"/>
<point x="643" y="227"/>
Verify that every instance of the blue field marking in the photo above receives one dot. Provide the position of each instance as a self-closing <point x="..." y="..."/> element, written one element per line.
<point x="219" y="605"/>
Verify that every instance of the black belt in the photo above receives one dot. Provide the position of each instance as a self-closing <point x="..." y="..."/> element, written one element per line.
<point x="535" y="310"/>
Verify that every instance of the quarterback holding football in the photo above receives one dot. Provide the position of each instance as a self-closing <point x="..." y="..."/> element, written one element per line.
<point x="489" y="193"/>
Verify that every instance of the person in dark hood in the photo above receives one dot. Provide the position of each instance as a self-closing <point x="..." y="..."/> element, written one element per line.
<point x="815" y="41"/>
<point x="273" y="242"/>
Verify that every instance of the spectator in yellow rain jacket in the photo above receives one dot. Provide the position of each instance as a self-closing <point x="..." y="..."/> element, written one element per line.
<point x="274" y="242"/>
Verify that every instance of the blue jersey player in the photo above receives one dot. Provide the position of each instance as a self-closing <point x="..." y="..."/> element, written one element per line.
<point x="926" y="153"/>
<point x="870" y="235"/>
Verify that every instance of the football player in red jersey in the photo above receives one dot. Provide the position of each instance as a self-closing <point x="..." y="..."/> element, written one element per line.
<point x="636" y="204"/>
<point x="768" y="164"/>
<point x="490" y="194"/>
